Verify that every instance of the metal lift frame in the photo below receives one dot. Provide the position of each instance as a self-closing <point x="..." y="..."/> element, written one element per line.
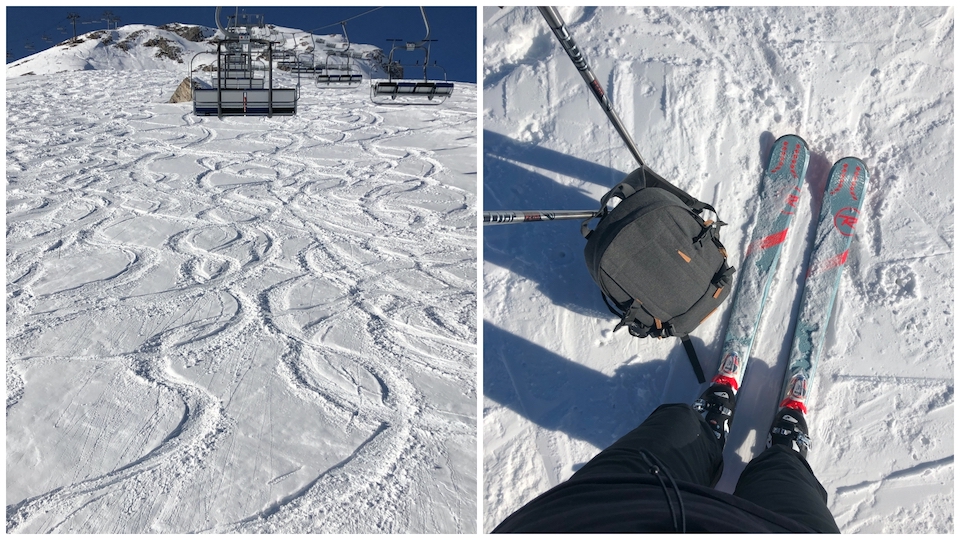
<point x="353" y="77"/>
<point x="244" y="95"/>
<point x="412" y="91"/>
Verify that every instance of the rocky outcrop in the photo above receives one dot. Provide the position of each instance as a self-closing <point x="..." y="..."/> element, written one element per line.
<point x="183" y="93"/>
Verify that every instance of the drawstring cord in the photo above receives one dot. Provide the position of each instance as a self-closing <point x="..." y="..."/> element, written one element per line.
<point x="659" y="470"/>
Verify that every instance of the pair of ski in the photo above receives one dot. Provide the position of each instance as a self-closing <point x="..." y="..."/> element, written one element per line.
<point x="778" y="198"/>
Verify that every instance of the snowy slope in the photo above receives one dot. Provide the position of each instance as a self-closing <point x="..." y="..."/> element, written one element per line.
<point x="705" y="91"/>
<point x="246" y="325"/>
<point x="172" y="46"/>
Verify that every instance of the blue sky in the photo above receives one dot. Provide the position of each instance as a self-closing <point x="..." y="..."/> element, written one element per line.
<point x="454" y="28"/>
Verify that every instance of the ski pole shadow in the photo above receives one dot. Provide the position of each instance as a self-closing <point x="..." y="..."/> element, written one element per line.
<point x="562" y="395"/>
<point x="549" y="254"/>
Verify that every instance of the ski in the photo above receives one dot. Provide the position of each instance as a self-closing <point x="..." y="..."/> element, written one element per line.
<point x="778" y="198"/>
<point x="838" y="218"/>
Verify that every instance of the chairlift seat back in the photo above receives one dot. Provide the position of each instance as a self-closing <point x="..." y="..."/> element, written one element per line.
<point x="429" y="89"/>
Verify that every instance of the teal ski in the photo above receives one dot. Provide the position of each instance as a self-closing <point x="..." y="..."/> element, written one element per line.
<point x="777" y="203"/>
<point x="838" y="218"/>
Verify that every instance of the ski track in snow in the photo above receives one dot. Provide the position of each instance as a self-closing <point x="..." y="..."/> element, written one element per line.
<point x="247" y="325"/>
<point x="704" y="92"/>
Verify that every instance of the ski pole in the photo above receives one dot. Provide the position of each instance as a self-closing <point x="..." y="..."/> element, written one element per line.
<point x="504" y="217"/>
<point x="566" y="41"/>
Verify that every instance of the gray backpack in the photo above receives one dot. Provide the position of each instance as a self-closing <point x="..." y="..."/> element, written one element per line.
<point x="661" y="268"/>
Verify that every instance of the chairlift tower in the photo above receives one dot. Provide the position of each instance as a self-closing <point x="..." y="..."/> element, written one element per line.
<point x="109" y="17"/>
<point x="73" y="19"/>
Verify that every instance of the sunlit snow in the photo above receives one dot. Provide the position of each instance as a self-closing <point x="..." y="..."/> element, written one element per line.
<point x="704" y="92"/>
<point x="241" y="325"/>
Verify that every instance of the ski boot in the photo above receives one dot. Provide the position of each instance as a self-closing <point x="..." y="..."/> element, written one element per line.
<point x="716" y="405"/>
<point x="790" y="429"/>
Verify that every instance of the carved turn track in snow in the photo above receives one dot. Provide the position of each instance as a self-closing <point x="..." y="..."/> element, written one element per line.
<point x="241" y="325"/>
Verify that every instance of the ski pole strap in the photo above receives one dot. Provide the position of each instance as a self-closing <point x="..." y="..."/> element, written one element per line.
<point x="694" y="361"/>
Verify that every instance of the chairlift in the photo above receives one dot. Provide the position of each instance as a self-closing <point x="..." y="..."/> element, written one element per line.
<point x="340" y="74"/>
<point x="396" y="90"/>
<point x="302" y="63"/>
<point x="238" y="89"/>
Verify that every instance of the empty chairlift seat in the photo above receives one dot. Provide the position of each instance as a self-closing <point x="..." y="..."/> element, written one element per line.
<point x="245" y="102"/>
<point x="340" y="79"/>
<point x="428" y="89"/>
<point x="239" y="88"/>
<point x="339" y="69"/>
<point x="341" y="76"/>
<point x="400" y="91"/>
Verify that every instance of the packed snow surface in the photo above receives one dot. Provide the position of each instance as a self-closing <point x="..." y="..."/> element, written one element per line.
<point x="241" y="325"/>
<point x="705" y="91"/>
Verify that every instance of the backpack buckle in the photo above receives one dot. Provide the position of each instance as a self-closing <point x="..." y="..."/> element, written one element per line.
<point x="637" y="330"/>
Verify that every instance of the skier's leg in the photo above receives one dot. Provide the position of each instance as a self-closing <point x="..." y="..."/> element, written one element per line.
<point x="677" y="436"/>
<point x="781" y="480"/>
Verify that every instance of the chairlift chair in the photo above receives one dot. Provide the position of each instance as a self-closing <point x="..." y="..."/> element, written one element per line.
<point x="337" y="74"/>
<point x="237" y="90"/>
<point x="396" y="90"/>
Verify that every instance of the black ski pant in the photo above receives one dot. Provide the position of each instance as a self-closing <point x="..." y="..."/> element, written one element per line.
<point x="779" y="479"/>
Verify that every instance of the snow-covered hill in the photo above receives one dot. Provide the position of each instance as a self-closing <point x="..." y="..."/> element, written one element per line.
<point x="172" y="46"/>
<point x="237" y="325"/>
<point x="705" y="91"/>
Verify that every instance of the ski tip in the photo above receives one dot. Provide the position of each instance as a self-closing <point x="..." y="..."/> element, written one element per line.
<point x="855" y="168"/>
<point x="852" y="160"/>
<point x="790" y="136"/>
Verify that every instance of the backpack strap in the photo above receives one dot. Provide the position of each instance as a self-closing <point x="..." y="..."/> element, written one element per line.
<point x="629" y="318"/>
<point x="694" y="361"/>
<point x="640" y="178"/>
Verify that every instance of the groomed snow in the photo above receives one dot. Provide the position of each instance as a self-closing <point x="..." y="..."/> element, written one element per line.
<point x="238" y="325"/>
<point x="705" y="91"/>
